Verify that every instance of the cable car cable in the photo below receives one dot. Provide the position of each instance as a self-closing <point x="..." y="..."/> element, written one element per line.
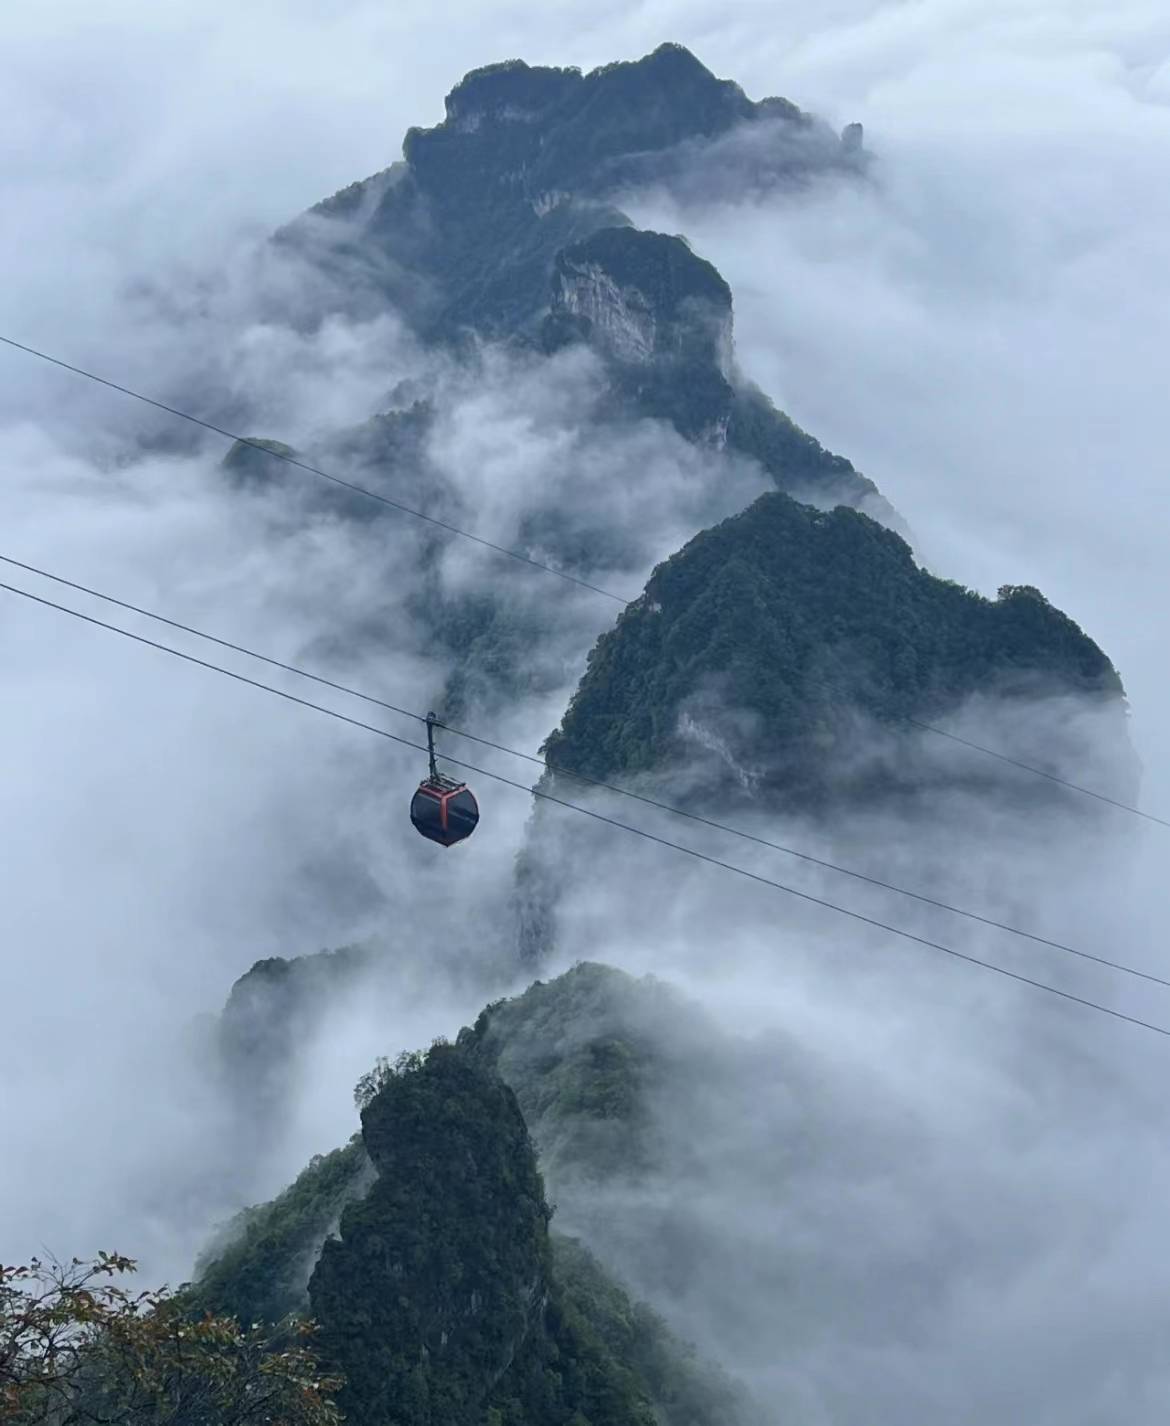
<point x="512" y="554"/>
<point x="596" y="782"/>
<point x="601" y="817"/>
<point x="1039" y="772"/>
<point x="315" y="470"/>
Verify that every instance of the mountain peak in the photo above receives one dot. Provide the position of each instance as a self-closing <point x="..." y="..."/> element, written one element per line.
<point x="515" y="89"/>
<point x="510" y="88"/>
<point x="810" y="626"/>
<point x="502" y="224"/>
<point x="556" y="127"/>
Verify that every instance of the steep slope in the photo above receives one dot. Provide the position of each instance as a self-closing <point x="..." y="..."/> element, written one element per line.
<point x="257" y="1269"/>
<point x="795" y="644"/>
<point x="272" y="1011"/>
<point x="782" y="657"/>
<point x="662" y="318"/>
<point x="498" y="226"/>
<point x="444" y="1293"/>
<point x="437" y="1289"/>
<point x="462" y="234"/>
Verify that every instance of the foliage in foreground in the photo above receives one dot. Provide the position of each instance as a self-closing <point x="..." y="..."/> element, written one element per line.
<point x="78" y="1347"/>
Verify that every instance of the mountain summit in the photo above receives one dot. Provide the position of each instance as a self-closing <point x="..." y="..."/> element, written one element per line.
<point x="529" y="159"/>
<point x="502" y="224"/>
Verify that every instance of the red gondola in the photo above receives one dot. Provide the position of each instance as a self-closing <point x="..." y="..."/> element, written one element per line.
<point x="442" y="810"/>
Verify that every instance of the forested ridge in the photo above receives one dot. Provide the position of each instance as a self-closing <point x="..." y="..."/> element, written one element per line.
<point x="806" y="618"/>
<point x="423" y="1250"/>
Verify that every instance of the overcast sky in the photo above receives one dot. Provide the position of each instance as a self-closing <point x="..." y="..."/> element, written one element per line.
<point x="982" y="330"/>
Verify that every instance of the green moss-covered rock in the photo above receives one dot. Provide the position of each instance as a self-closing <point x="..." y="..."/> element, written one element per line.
<point x="441" y="1271"/>
<point x="438" y="1301"/>
<point x="438" y="1287"/>
<point x="791" y="624"/>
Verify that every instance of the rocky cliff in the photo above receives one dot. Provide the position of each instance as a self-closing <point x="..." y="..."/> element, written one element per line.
<point x="500" y="224"/>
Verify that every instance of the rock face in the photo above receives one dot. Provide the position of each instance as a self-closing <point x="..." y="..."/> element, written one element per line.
<point x="500" y="224"/>
<point x="445" y="1298"/>
<point x="643" y="296"/>
<point x="531" y="156"/>
<point x="661" y="318"/>
<point x="438" y="1301"/>
<point x="441" y="1271"/>
<point x="270" y="1013"/>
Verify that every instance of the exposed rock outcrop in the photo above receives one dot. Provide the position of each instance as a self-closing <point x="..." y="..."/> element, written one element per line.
<point x="501" y="225"/>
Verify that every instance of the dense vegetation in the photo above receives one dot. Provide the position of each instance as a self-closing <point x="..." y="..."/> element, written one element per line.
<point x="803" y="621"/>
<point x="258" y="1269"/>
<point x="586" y="130"/>
<point x="796" y="461"/>
<point x="684" y="1389"/>
<point x="582" y="1055"/>
<point x="439" y="1301"/>
<point x="77" y="1348"/>
<point x="444" y="1226"/>
<point x="440" y="1273"/>
<point x="477" y="229"/>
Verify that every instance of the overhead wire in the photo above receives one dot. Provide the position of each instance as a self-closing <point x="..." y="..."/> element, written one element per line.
<point x="642" y="832"/>
<point x="517" y="555"/>
<point x="315" y="470"/>
<point x="1038" y="771"/>
<point x="561" y="770"/>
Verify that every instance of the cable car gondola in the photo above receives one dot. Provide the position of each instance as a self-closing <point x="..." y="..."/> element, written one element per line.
<point x="442" y="810"/>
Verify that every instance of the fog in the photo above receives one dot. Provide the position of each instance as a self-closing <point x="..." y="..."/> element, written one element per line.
<point x="910" y="1189"/>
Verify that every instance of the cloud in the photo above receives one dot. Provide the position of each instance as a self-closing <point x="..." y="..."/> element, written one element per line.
<point x="892" y="1166"/>
<point x="174" y="827"/>
<point x="912" y="1170"/>
<point x="974" y="328"/>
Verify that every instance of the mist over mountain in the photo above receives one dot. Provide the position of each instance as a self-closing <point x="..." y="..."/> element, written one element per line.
<point x="461" y="233"/>
<point x="730" y="1159"/>
<point x="800" y="620"/>
<point x="772" y="663"/>
<point x="496" y="226"/>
